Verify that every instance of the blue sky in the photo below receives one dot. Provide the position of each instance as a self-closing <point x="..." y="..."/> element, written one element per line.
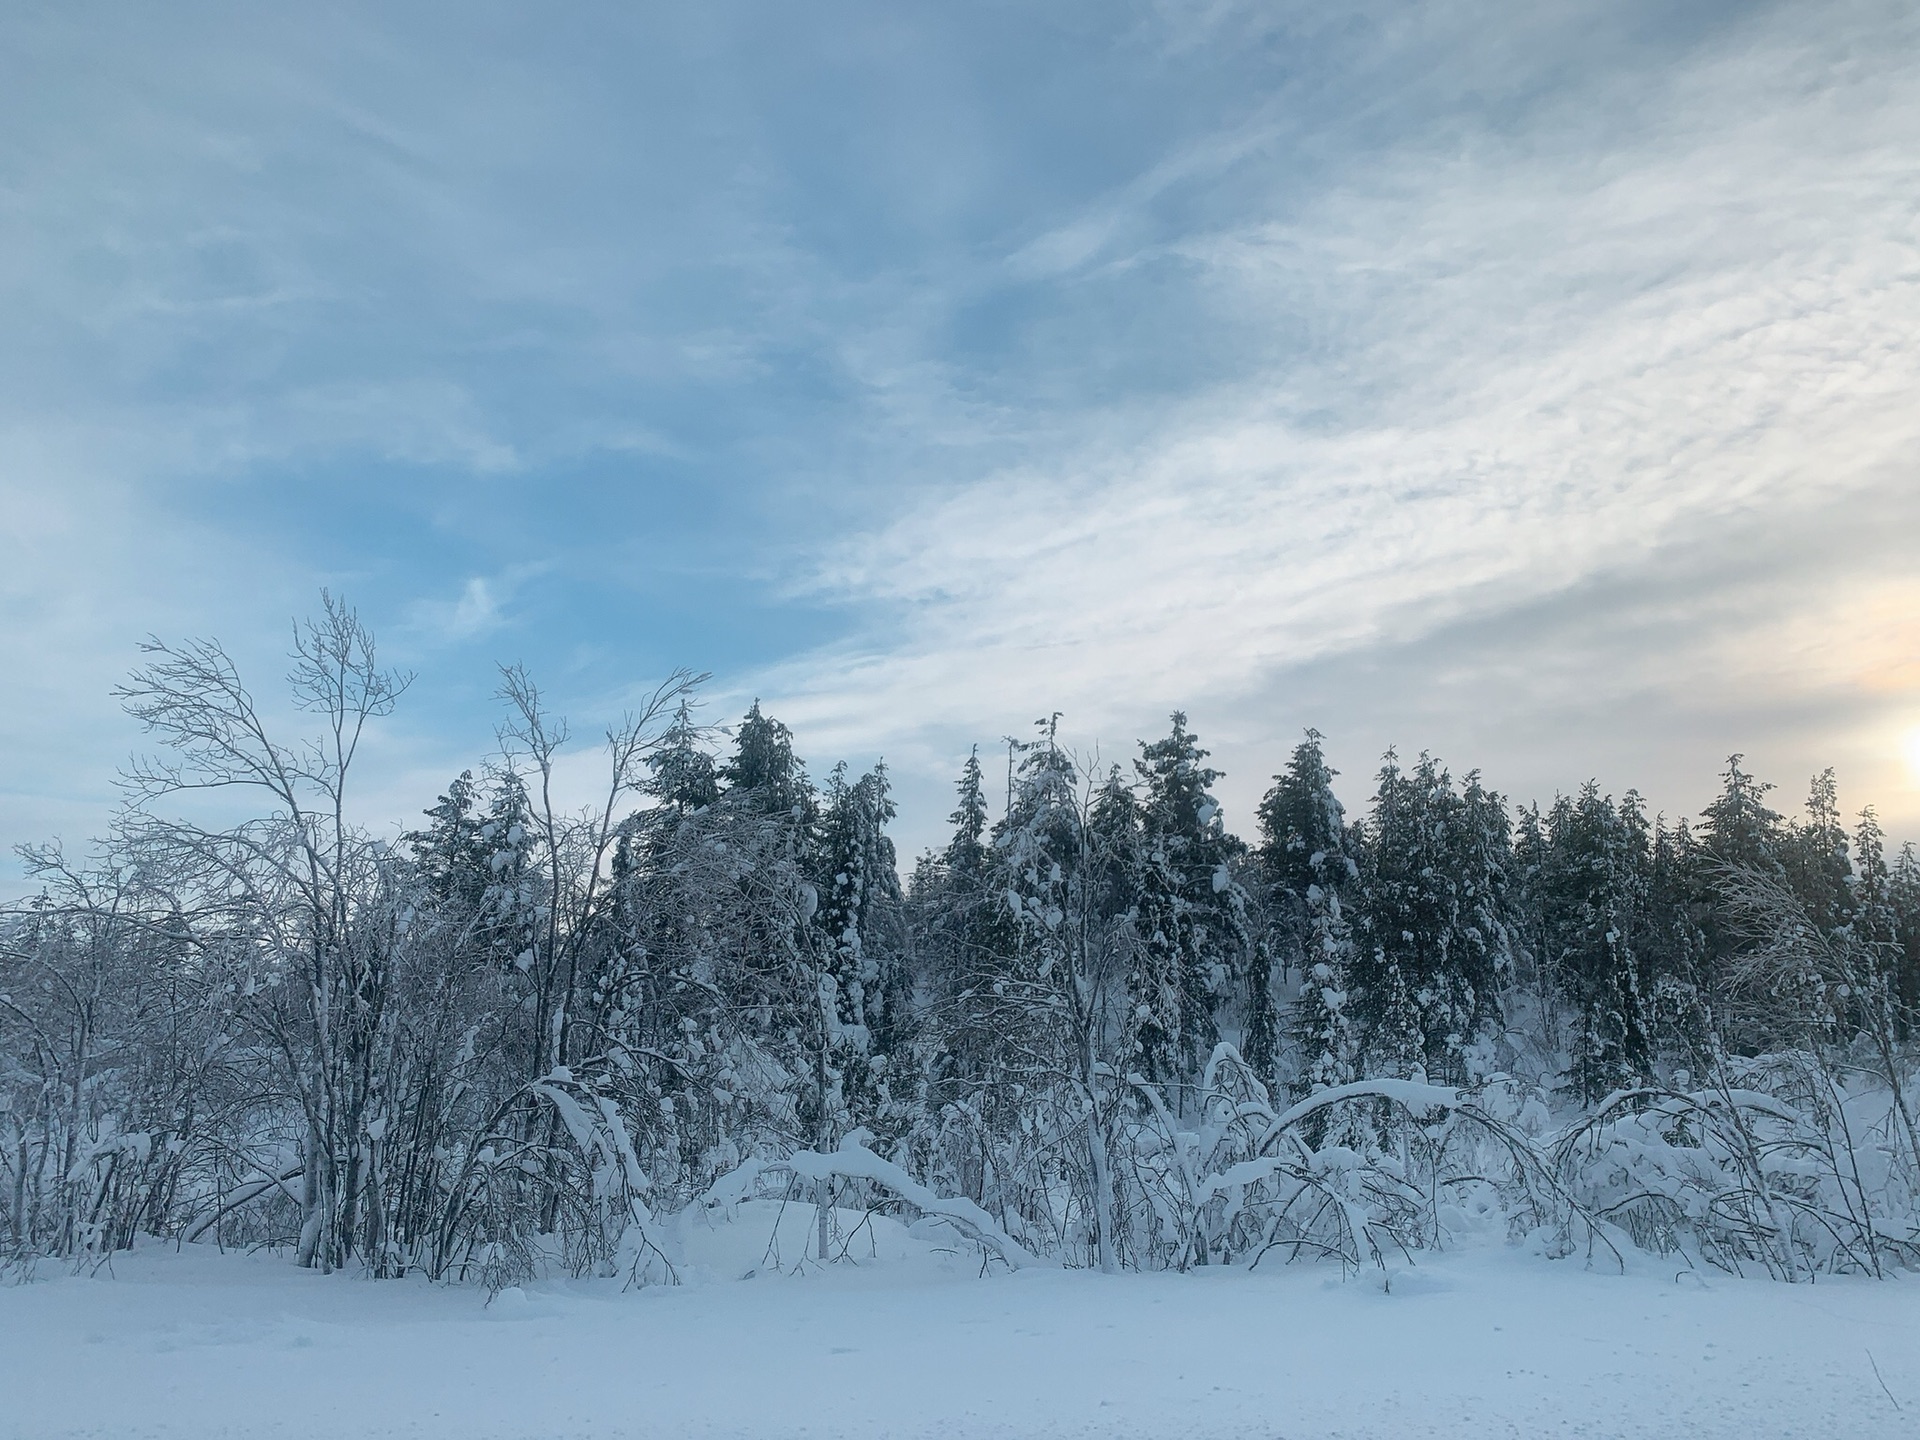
<point x="1530" y="383"/>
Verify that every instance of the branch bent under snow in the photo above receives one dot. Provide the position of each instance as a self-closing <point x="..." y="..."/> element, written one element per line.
<point x="854" y="1161"/>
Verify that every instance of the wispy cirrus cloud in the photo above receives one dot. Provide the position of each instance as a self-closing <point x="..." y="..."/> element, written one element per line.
<point x="1528" y="363"/>
<point x="1505" y="380"/>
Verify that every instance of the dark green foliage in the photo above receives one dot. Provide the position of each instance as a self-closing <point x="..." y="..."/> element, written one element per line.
<point x="962" y="932"/>
<point x="1737" y="827"/>
<point x="1303" y="859"/>
<point x="764" y="773"/>
<point x="966" y="853"/>
<point x="1037" y="849"/>
<point x="684" y="776"/>
<point x="1874" y="919"/>
<point x="1591" y="891"/>
<point x="1303" y="826"/>
<point x="1191" y="912"/>
<point x="1679" y="904"/>
<point x="861" y="925"/>
<point x="1814" y="855"/>
<point x="1010" y="925"/>
<point x="451" y="855"/>
<point x="1433" y="937"/>
<point x="1903" y="897"/>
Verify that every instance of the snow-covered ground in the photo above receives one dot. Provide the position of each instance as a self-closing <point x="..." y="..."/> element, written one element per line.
<point x="910" y="1341"/>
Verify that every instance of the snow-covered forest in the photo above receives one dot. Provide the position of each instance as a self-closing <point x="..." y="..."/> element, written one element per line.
<point x="1096" y="1028"/>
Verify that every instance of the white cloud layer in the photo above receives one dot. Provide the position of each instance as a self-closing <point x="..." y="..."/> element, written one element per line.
<point x="1536" y="361"/>
<point x="1531" y="383"/>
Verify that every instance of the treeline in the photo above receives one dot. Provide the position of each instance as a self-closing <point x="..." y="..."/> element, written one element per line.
<point x="523" y="1037"/>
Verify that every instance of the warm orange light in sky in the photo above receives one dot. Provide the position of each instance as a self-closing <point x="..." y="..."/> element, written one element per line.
<point x="1910" y="747"/>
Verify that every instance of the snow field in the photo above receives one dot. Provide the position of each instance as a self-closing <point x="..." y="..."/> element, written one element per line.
<point x="906" y="1339"/>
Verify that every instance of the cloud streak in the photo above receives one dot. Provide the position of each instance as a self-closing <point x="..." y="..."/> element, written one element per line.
<point x="1443" y="374"/>
<point x="1539" y="361"/>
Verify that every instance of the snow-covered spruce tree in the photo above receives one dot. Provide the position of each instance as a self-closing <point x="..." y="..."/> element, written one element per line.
<point x="1485" y="866"/>
<point x="450" y="851"/>
<point x="966" y="853"/>
<point x="479" y="911"/>
<point x="673" y="994"/>
<point x="950" y="884"/>
<point x="1876" y="1008"/>
<point x="763" y="779"/>
<point x="1590" y="894"/>
<point x="1757" y="863"/>
<point x="1433" y="938"/>
<point x="1737" y="831"/>
<point x="765" y="773"/>
<point x="572" y="853"/>
<point x="697" y="992"/>
<point x="684" y="779"/>
<point x="1194" y="941"/>
<point x="1872" y="900"/>
<point x="512" y="900"/>
<point x="949" y="905"/>
<point x="1116" y="848"/>
<point x="1749" y="999"/>
<point x="1303" y="858"/>
<point x="965" y="939"/>
<point x="1903" y="894"/>
<point x="555" y="893"/>
<point x="861" y="926"/>
<point x="1673" y="944"/>
<point x="823" y="964"/>
<point x="1815" y="857"/>
<point x="1070" y="854"/>
<point x="709" y="1007"/>
<point x="1035" y="1038"/>
<point x="1738" y="827"/>
<point x="1532" y="1000"/>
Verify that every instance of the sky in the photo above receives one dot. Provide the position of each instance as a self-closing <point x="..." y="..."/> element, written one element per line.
<point x="1534" y="385"/>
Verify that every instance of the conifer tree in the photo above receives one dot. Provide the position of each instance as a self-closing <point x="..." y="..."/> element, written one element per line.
<point x="1044" y="1016"/>
<point x="1737" y="827"/>
<point x="1485" y="861"/>
<point x="1903" y="894"/>
<point x="1737" y="832"/>
<point x="1017" y="935"/>
<point x="1819" y="869"/>
<point x="1674" y="943"/>
<point x="1303" y="857"/>
<point x="1038" y="843"/>
<point x="1875" y="923"/>
<point x="1592" y="894"/>
<point x="1116" y="848"/>
<point x="1434" y="940"/>
<point x="966" y="853"/>
<point x="1192" y="913"/>
<point x="963" y="930"/>
<point x="684" y="777"/>
<point x="511" y="901"/>
<point x="859" y="916"/>
<point x="451" y="855"/>
<point x="764" y="773"/>
<point x="1529" y="875"/>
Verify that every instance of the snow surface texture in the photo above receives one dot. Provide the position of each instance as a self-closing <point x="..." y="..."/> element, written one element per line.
<point x="905" y="1338"/>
